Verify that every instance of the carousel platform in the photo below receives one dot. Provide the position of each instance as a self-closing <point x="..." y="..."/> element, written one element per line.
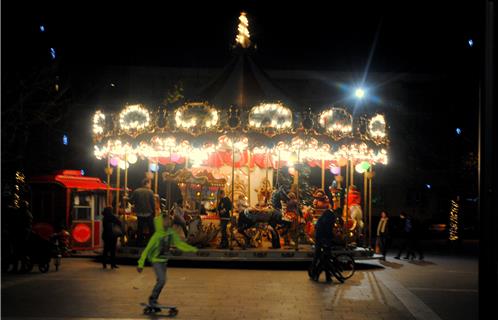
<point x="304" y="253"/>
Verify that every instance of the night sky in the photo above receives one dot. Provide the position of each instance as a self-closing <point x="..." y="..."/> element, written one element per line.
<point x="415" y="37"/>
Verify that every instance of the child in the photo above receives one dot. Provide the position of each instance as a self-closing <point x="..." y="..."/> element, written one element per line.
<point x="156" y="251"/>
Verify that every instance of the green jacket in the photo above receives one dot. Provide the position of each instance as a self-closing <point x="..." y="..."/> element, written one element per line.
<point x="159" y="243"/>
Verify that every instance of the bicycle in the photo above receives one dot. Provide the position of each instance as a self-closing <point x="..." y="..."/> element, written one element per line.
<point x="341" y="265"/>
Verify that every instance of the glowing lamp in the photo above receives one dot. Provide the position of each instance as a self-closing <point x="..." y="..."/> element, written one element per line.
<point x="114" y="162"/>
<point x="335" y="170"/>
<point x="365" y="165"/>
<point x="81" y="233"/>
<point x="359" y="93"/>
<point x="132" y="158"/>
<point x="359" y="168"/>
<point x="153" y="167"/>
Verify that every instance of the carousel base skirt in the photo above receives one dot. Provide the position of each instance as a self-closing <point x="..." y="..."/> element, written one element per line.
<point x="305" y="253"/>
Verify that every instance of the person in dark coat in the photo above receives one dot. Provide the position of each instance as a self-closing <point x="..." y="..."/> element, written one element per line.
<point x="143" y="200"/>
<point x="224" y="208"/>
<point x="324" y="236"/>
<point x="406" y="234"/>
<point x="110" y="223"/>
<point x="383" y="236"/>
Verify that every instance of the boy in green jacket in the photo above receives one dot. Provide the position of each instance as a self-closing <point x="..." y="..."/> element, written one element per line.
<point x="157" y="250"/>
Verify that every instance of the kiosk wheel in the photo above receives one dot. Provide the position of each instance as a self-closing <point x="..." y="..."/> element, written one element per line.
<point x="44" y="267"/>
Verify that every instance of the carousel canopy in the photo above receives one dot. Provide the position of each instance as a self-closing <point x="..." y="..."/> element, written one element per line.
<point x="211" y="132"/>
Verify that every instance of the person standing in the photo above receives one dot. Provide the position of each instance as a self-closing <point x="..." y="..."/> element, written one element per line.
<point x="405" y="235"/>
<point x="325" y="238"/>
<point x="224" y="208"/>
<point x="112" y="229"/>
<point x="383" y="234"/>
<point x="143" y="200"/>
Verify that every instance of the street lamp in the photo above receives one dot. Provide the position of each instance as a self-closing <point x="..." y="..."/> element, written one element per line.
<point x="359" y="93"/>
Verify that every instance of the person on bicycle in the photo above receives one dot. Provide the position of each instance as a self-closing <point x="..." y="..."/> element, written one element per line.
<point x="324" y="236"/>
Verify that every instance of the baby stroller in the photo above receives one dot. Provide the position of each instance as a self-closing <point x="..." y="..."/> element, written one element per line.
<point x="38" y="251"/>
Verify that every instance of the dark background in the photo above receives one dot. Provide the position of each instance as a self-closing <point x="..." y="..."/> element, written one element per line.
<point x="425" y="41"/>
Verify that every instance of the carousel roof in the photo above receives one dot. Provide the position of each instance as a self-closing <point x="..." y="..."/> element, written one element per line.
<point x="242" y="83"/>
<point x="261" y="123"/>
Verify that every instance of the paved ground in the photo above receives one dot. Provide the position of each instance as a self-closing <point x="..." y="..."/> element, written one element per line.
<point x="442" y="288"/>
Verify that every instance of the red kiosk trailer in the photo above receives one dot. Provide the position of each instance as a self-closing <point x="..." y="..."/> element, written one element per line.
<point x="69" y="200"/>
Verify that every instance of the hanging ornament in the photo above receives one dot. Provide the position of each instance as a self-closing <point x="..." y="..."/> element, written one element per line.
<point x="132" y="158"/>
<point x="153" y="167"/>
<point x="359" y="168"/>
<point x="123" y="164"/>
<point x="365" y="165"/>
<point x="114" y="162"/>
<point x="342" y="162"/>
<point x="335" y="170"/>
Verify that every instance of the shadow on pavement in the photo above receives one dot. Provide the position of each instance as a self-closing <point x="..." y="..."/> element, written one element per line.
<point x="392" y="265"/>
<point x="248" y="265"/>
<point x="422" y="263"/>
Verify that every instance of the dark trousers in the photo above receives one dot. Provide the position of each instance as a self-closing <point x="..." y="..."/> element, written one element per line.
<point x="109" y="249"/>
<point x="318" y="258"/>
<point x="403" y="246"/>
<point x="224" y="234"/>
<point x="383" y="243"/>
<point x="141" y="224"/>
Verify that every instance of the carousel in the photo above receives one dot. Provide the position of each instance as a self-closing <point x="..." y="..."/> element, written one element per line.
<point x="254" y="148"/>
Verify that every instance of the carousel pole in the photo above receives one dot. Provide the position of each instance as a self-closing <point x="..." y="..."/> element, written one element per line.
<point x="323" y="174"/>
<point x="370" y="205"/>
<point x="117" y="189"/>
<point x="346" y="196"/>
<point x="365" y="200"/>
<point x="266" y="165"/>
<point x="233" y="175"/>
<point x="156" y="175"/>
<point x="297" y="175"/>
<point x="108" y="172"/>
<point x="352" y="174"/>
<point x="249" y="175"/>
<point x="126" y="181"/>
<point x="278" y="169"/>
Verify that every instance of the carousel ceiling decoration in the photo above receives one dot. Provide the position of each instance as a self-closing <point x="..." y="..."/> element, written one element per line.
<point x="98" y="123"/>
<point x="377" y="129"/>
<point x="198" y="130"/>
<point x="337" y="122"/>
<point x="134" y="119"/>
<point x="196" y="117"/>
<point x="270" y="118"/>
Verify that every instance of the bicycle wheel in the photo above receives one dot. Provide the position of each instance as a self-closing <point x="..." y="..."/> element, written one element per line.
<point x="344" y="265"/>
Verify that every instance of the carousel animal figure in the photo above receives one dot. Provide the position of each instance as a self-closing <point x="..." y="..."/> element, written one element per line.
<point x="200" y="235"/>
<point x="309" y="227"/>
<point x="320" y="201"/>
<point x="271" y="216"/>
<point x="354" y="214"/>
<point x="336" y="196"/>
<point x="264" y="192"/>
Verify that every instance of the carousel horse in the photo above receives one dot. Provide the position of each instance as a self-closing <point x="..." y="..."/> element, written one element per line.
<point x="271" y="216"/>
<point x="200" y="235"/>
